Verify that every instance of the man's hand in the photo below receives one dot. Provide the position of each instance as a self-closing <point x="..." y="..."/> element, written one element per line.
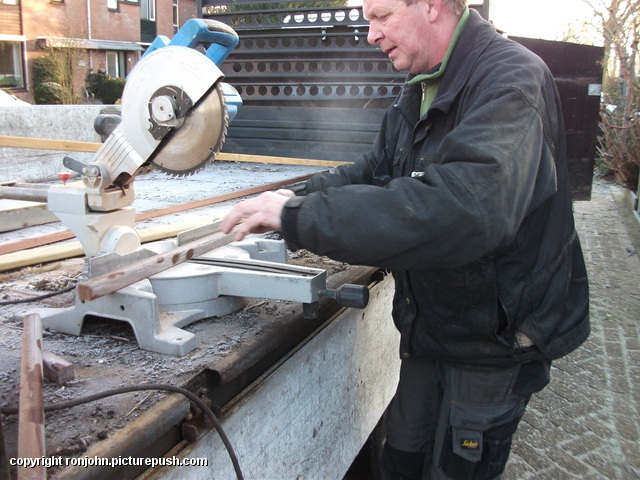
<point x="261" y="214"/>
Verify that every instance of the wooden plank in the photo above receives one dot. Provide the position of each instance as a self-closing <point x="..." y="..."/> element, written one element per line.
<point x="17" y="214"/>
<point x="48" y="144"/>
<point x="110" y="282"/>
<point x="57" y="369"/>
<point x="27" y="243"/>
<point x="52" y="253"/>
<point x="69" y="145"/>
<point x="218" y="198"/>
<point x="31" y="439"/>
<point x="236" y="157"/>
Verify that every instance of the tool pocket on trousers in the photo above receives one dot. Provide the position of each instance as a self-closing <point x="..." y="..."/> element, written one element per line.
<point x="480" y="439"/>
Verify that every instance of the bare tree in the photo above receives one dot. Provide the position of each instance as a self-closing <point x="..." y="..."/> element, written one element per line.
<point x="620" y="141"/>
<point x="59" y="66"/>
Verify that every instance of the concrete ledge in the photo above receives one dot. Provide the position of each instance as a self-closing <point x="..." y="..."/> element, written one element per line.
<point x="17" y="214"/>
<point x="57" y="122"/>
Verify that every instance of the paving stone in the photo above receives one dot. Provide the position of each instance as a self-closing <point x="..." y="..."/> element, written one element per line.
<point x="586" y="424"/>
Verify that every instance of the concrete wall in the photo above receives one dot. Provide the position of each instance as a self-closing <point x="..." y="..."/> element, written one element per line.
<point x="58" y="122"/>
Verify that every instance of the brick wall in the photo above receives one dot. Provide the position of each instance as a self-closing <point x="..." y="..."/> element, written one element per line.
<point x="43" y="18"/>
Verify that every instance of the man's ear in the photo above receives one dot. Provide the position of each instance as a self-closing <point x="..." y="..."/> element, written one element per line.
<point x="434" y="8"/>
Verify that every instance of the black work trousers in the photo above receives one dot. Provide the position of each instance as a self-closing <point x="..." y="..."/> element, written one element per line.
<point x="448" y="422"/>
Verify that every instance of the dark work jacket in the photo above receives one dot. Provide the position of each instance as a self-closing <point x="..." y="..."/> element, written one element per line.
<point x="469" y="207"/>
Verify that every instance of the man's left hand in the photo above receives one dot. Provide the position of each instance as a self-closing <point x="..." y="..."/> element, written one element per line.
<point x="261" y="214"/>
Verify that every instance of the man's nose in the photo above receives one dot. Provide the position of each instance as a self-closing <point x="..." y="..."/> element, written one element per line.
<point x="374" y="35"/>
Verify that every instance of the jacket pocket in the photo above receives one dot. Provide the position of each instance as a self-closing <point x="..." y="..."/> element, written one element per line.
<point x="399" y="160"/>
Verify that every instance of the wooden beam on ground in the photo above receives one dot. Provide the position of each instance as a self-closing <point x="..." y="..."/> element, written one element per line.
<point x="57" y="369"/>
<point x="17" y="214"/>
<point x="110" y="282"/>
<point x="31" y="439"/>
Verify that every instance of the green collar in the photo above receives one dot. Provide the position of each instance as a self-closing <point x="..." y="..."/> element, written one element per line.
<point x="440" y="69"/>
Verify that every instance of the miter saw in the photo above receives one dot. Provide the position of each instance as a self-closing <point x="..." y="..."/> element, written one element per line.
<point x="175" y="112"/>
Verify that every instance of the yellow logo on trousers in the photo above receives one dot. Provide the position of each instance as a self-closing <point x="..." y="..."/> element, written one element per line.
<point x="469" y="444"/>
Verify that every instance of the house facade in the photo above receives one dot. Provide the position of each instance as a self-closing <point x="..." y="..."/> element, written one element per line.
<point x="112" y="34"/>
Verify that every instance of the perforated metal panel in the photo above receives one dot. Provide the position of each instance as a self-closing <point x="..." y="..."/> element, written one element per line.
<point x="314" y="88"/>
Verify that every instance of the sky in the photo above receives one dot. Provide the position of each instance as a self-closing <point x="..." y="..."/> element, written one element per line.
<point x="547" y="19"/>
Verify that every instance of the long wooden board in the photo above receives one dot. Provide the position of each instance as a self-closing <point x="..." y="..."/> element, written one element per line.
<point x="110" y="282"/>
<point x="48" y="144"/>
<point x="31" y="437"/>
<point x="27" y="243"/>
<point x="74" y="146"/>
<point x="52" y="253"/>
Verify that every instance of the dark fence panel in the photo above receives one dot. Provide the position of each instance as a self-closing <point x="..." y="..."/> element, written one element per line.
<point x="314" y="88"/>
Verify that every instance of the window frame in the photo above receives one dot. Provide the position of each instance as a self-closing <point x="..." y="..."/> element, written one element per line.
<point x="18" y="58"/>
<point x="148" y="10"/>
<point x="176" y="16"/>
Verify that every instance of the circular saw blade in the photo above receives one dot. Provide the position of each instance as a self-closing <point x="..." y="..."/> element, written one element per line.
<point x="190" y="148"/>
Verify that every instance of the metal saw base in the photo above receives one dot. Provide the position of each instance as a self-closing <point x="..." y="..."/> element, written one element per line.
<point x="213" y="285"/>
<point x="155" y="330"/>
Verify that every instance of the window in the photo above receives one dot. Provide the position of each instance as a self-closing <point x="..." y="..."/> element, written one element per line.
<point x="116" y="64"/>
<point x="148" y="10"/>
<point x="9" y="2"/>
<point x="175" y="16"/>
<point x="11" y="65"/>
<point x="112" y="4"/>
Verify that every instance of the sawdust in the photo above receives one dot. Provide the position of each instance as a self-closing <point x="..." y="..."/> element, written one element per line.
<point x="106" y="356"/>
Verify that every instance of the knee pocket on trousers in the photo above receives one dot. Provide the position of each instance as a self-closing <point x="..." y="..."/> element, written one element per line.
<point x="479" y="439"/>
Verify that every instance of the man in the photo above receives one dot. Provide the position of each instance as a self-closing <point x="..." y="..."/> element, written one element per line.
<point x="465" y="198"/>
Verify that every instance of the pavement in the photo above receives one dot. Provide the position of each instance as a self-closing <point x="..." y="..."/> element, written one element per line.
<point x="585" y="424"/>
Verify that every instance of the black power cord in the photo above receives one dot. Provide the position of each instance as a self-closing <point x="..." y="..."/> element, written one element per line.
<point x="35" y="299"/>
<point x="136" y="388"/>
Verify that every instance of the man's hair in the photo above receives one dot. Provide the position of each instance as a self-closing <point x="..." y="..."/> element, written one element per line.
<point x="456" y="6"/>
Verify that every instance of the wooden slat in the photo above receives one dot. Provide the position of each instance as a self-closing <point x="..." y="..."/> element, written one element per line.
<point x="31" y="439"/>
<point x="52" y="253"/>
<point x="48" y="144"/>
<point x="57" y="369"/>
<point x="110" y="282"/>
<point x="27" y="243"/>
<point x="69" y="145"/>
<point x="236" y="157"/>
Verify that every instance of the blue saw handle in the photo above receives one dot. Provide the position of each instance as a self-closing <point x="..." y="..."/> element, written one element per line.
<point x="221" y="37"/>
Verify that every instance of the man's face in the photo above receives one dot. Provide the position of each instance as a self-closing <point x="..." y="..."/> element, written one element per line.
<point x="401" y="31"/>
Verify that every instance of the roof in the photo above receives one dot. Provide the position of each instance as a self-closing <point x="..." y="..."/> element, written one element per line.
<point x="89" y="44"/>
<point x="9" y="100"/>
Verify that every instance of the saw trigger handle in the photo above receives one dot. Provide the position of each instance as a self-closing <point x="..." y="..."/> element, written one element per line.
<point x="220" y="38"/>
